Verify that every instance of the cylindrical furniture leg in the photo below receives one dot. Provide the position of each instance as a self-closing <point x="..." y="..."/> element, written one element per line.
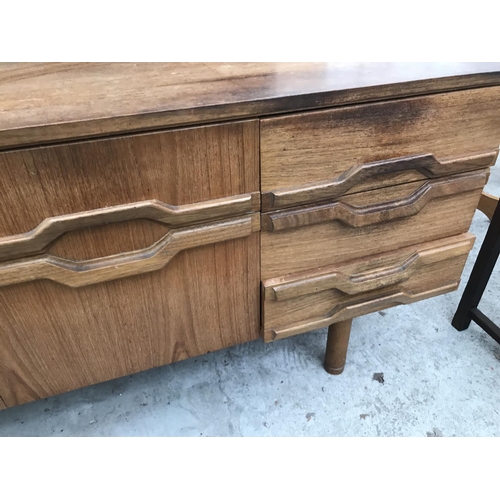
<point x="336" y="346"/>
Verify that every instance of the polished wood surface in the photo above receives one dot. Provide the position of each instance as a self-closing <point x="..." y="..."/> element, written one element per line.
<point x="177" y="167"/>
<point x="55" y="339"/>
<point x="307" y="157"/>
<point x="488" y="204"/>
<point x="336" y="346"/>
<point x="84" y="273"/>
<point x="440" y="273"/>
<point x="47" y="102"/>
<point x="379" y="221"/>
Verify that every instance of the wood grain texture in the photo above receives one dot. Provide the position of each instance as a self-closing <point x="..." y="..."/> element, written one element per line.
<point x="179" y="167"/>
<point x="488" y="204"/>
<point x="328" y="241"/>
<point x="361" y="216"/>
<point x="42" y="102"/>
<point x="38" y="239"/>
<point x="55" y="339"/>
<point x="90" y="272"/>
<point x="329" y="304"/>
<point x="300" y="150"/>
<point x="426" y="165"/>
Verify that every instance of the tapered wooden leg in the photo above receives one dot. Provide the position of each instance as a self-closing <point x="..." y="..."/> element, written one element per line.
<point x="336" y="346"/>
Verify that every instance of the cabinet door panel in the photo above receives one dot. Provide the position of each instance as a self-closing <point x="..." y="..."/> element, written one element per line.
<point x="122" y="254"/>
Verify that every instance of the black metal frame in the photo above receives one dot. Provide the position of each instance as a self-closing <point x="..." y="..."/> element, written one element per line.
<point x="467" y="310"/>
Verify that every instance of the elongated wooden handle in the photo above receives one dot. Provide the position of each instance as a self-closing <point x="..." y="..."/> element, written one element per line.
<point x="374" y="214"/>
<point x="426" y="164"/>
<point x="349" y="280"/>
<point x="81" y="273"/>
<point x="344" y="312"/>
<point x="47" y="231"/>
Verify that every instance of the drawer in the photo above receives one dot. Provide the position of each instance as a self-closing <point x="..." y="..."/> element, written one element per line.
<point x="368" y="223"/>
<point x="305" y="301"/>
<point x="177" y="177"/>
<point x="318" y="156"/>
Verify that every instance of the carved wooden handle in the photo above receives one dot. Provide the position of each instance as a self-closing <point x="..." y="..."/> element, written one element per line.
<point x="81" y="273"/>
<point x="426" y="164"/>
<point x="374" y="214"/>
<point x="38" y="239"/>
<point x="349" y="280"/>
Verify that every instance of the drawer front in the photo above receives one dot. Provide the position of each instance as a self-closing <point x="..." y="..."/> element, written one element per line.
<point x="66" y="324"/>
<point x="368" y="223"/>
<point x="317" y="156"/>
<point x="306" y="301"/>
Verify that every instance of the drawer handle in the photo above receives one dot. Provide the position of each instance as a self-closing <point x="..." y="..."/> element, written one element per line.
<point x="48" y="230"/>
<point x="426" y="164"/>
<point x="349" y="281"/>
<point x="373" y="214"/>
<point x="341" y="313"/>
<point x="82" y="273"/>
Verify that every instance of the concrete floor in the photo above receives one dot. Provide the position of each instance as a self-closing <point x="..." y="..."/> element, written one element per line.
<point x="437" y="382"/>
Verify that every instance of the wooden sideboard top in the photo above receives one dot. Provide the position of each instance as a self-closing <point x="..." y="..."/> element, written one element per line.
<point x="52" y="102"/>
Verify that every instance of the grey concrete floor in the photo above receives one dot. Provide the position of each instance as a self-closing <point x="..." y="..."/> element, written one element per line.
<point x="437" y="382"/>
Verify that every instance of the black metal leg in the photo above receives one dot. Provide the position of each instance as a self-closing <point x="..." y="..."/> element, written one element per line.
<point x="486" y="260"/>
<point x="485" y="323"/>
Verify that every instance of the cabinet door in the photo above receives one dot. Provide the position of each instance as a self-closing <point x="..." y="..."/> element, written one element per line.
<point x="123" y="254"/>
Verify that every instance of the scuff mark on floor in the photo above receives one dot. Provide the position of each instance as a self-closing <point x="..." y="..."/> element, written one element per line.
<point x="435" y="433"/>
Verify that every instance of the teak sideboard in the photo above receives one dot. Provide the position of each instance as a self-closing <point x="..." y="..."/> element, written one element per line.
<point x="154" y="212"/>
